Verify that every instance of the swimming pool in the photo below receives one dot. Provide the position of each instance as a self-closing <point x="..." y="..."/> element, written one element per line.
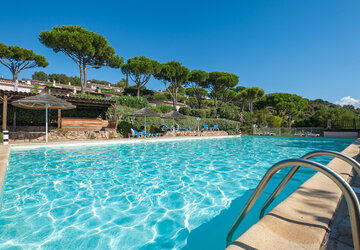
<point x="148" y="195"/>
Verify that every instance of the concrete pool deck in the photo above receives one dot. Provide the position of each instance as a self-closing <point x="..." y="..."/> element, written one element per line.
<point x="4" y="156"/>
<point x="302" y="220"/>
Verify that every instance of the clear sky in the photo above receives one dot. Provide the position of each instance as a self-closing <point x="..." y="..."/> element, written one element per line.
<point x="307" y="47"/>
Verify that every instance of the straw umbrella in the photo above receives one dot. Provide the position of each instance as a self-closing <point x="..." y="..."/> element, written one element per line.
<point x="144" y="112"/>
<point x="173" y="115"/>
<point x="43" y="101"/>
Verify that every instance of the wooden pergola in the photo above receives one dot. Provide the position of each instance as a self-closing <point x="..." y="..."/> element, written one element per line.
<point x="9" y="96"/>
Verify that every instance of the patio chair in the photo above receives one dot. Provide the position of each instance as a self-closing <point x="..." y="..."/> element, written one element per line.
<point x="205" y="127"/>
<point x="134" y="133"/>
<point x="269" y="134"/>
<point x="216" y="127"/>
<point x="149" y="134"/>
<point x="180" y="128"/>
<point x="166" y="127"/>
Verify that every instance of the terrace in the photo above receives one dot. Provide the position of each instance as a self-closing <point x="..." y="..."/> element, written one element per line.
<point x="27" y="132"/>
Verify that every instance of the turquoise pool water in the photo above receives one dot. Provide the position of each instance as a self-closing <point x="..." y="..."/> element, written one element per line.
<point x="150" y="195"/>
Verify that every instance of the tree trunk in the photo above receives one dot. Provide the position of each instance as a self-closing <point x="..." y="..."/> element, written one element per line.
<point x="15" y="76"/>
<point x="85" y="79"/>
<point x="138" y="89"/>
<point x="81" y="79"/>
<point x="215" y="101"/>
<point x="251" y="105"/>
<point x="174" y="96"/>
<point x="127" y="80"/>
<point x="199" y="102"/>
<point x="198" y="97"/>
<point x="243" y="106"/>
<point x="289" y="121"/>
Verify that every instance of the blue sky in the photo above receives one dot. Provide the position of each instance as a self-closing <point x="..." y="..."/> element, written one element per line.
<point x="310" y="48"/>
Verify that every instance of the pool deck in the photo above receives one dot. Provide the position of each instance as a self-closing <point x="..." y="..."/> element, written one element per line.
<point x="303" y="220"/>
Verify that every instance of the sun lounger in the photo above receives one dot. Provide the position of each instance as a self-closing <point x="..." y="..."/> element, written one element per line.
<point x="166" y="127"/>
<point x="299" y="134"/>
<point x="216" y="127"/>
<point x="269" y="134"/>
<point x="149" y="134"/>
<point x="312" y="135"/>
<point x="205" y="127"/>
<point x="180" y="128"/>
<point x="134" y="133"/>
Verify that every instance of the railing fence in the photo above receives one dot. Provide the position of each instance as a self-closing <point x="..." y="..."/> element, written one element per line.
<point x="296" y="131"/>
<point x="343" y="124"/>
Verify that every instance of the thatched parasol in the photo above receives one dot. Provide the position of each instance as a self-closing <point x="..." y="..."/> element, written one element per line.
<point x="144" y="112"/>
<point x="173" y="115"/>
<point x="43" y="101"/>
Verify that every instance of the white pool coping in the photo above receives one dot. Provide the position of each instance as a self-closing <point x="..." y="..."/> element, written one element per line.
<point x="22" y="146"/>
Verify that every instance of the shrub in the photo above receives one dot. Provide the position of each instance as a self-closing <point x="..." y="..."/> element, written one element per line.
<point x="165" y="108"/>
<point x="62" y="131"/>
<point x="213" y="113"/>
<point x="156" y="109"/>
<point x="207" y="103"/>
<point x="109" y="91"/>
<point x="233" y="127"/>
<point x="132" y="91"/>
<point x="89" y="96"/>
<point x="92" y="136"/>
<point x="159" y="96"/>
<point x="185" y="110"/>
<point x="198" y="113"/>
<point x="192" y="101"/>
<point x="111" y="135"/>
<point x="124" y="128"/>
<point x="229" y="112"/>
<point x="131" y="101"/>
<point x="274" y="121"/>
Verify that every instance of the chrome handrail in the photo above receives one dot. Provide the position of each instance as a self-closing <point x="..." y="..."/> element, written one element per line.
<point x="292" y="172"/>
<point x="349" y="194"/>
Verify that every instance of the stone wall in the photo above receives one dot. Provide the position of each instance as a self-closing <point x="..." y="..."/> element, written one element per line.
<point x="30" y="128"/>
<point x="196" y="133"/>
<point x="62" y="135"/>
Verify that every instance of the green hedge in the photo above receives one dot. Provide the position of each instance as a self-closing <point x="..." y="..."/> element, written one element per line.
<point x="162" y="108"/>
<point x="154" y="124"/>
<point x="132" y="101"/>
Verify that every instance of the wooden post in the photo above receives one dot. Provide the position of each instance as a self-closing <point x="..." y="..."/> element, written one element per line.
<point x="14" y="119"/>
<point x="4" y="112"/>
<point x="115" y="118"/>
<point x="59" y="118"/>
<point x="354" y="124"/>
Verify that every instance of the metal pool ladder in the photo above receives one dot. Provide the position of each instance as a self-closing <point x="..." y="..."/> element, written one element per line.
<point x="349" y="194"/>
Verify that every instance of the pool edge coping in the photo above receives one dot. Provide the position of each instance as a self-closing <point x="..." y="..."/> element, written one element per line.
<point x="115" y="141"/>
<point x="4" y="157"/>
<point x="290" y="225"/>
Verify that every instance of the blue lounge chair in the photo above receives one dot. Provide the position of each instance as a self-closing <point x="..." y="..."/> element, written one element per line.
<point x="166" y="127"/>
<point x="180" y="128"/>
<point x="134" y="133"/>
<point x="216" y="127"/>
<point x="205" y="127"/>
<point x="149" y="134"/>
